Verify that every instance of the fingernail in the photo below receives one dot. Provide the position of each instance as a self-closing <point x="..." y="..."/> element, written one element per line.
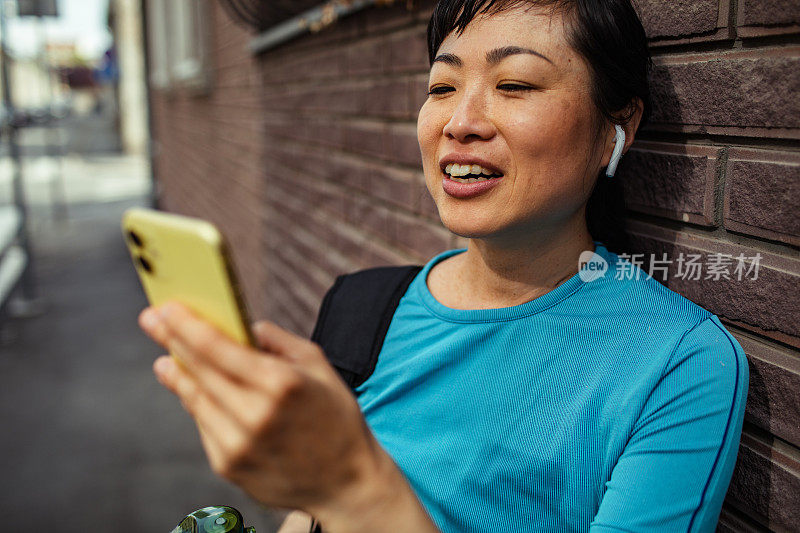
<point x="162" y="366"/>
<point x="149" y="319"/>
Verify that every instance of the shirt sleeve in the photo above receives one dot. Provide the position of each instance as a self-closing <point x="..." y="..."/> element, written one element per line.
<point x="675" y="469"/>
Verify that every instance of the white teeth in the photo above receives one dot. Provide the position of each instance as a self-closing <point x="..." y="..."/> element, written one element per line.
<point x="454" y="169"/>
<point x="468" y="180"/>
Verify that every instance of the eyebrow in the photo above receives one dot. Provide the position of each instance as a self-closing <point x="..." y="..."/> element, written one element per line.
<point x="493" y="56"/>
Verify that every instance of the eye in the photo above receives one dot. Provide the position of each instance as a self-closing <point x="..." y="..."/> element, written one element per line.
<point x="440" y="89"/>
<point x="514" y="87"/>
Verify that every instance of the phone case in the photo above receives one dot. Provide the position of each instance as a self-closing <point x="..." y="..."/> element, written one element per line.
<point x="186" y="259"/>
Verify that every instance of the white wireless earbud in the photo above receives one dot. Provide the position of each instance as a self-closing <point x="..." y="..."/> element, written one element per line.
<point x="619" y="145"/>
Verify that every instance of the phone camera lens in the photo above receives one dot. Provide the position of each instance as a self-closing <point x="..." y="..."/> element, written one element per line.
<point x="145" y="264"/>
<point x="134" y="238"/>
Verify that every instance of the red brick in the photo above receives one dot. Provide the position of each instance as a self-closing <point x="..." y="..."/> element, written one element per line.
<point x="403" y="146"/>
<point x="766" y="482"/>
<point x="352" y="241"/>
<point x="348" y="241"/>
<point x="291" y="224"/>
<point x="740" y="89"/>
<point x="398" y="187"/>
<point x="284" y="313"/>
<point x="281" y="100"/>
<point x="367" y="57"/>
<point x="408" y="52"/>
<point x="386" y="98"/>
<point x="314" y="250"/>
<point x="372" y="218"/>
<point x="672" y="180"/>
<point x="328" y="63"/>
<point x="388" y="18"/>
<point x="419" y="92"/>
<point x="296" y="299"/>
<point x="277" y="67"/>
<point x="379" y="254"/>
<point x="732" y="521"/>
<point x="341" y="170"/>
<point x="348" y="170"/>
<point x="768" y="17"/>
<point x="774" y="381"/>
<point x="768" y="304"/>
<point x="421" y="238"/>
<point x="324" y="131"/>
<point x="313" y="279"/>
<point x="762" y="194"/>
<point x="684" y="18"/>
<point x="332" y="98"/>
<point x="366" y="137"/>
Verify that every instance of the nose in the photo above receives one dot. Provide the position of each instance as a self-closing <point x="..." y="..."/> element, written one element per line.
<point x="470" y="119"/>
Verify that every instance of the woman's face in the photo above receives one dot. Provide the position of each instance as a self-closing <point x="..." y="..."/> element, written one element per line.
<point x="511" y="96"/>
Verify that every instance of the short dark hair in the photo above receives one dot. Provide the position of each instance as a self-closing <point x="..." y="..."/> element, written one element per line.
<point x="610" y="37"/>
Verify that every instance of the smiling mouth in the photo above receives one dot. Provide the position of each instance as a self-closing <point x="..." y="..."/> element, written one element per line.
<point x="469" y="173"/>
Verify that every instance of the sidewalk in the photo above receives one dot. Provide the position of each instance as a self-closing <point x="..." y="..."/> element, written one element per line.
<point x="91" y="442"/>
<point x="77" y="179"/>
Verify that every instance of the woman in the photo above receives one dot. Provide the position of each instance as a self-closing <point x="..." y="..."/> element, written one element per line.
<point x="513" y="392"/>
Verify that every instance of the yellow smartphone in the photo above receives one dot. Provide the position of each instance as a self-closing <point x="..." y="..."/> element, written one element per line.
<point x="186" y="259"/>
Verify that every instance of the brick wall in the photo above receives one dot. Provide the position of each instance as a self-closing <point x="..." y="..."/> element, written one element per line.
<point x="718" y="171"/>
<point x="332" y="183"/>
<point x="344" y="184"/>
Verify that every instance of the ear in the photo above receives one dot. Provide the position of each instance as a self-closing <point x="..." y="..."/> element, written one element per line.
<point x="630" y="127"/>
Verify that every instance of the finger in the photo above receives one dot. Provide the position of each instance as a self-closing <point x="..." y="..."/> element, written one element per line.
<point x="201" y="344"/>
<point x="151" y="323"/>
<point x="163" y="369"/>
<point x="226" y="368"/>
<point x="241" y="401"/>
<point x="275" y="339"/>
<point x="222" y="436"/>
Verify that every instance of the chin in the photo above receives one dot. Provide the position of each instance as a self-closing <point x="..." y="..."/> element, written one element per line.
<point x="469" y="228"/>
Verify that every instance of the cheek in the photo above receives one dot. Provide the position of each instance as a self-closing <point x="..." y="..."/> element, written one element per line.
<point x="550" y="140"/>
<point x="429" y="131"/>
<point x="551" y="145"/>
<point x="426" y="129"/>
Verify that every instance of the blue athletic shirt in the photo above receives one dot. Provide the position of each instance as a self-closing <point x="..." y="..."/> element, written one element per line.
<point x="613" y="404"/>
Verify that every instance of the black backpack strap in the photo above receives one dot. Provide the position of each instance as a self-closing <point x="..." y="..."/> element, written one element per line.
<point x="355" y="316"/>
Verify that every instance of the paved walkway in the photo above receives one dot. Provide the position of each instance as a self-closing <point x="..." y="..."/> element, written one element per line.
<point x="90" y="441"/>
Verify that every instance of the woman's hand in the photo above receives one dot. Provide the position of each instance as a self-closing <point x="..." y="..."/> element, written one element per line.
<point x="280" y="423"/>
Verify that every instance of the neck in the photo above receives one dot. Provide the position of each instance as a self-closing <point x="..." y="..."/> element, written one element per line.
<point x="507" y="270"/>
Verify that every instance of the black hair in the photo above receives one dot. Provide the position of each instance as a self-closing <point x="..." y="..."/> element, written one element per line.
<point x="609" y="36"/>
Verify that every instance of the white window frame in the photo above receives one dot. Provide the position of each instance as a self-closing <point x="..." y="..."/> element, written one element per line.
<point x="178" y="33"/>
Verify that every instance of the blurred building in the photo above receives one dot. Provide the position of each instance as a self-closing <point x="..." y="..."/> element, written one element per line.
<point x="31" y="83"/>
<point x="292" y="126"/>
<point x="127" y="27"/>
<point x="60" y="74"/>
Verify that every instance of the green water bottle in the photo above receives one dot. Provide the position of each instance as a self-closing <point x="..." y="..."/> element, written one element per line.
<point x="221" y="519"/>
